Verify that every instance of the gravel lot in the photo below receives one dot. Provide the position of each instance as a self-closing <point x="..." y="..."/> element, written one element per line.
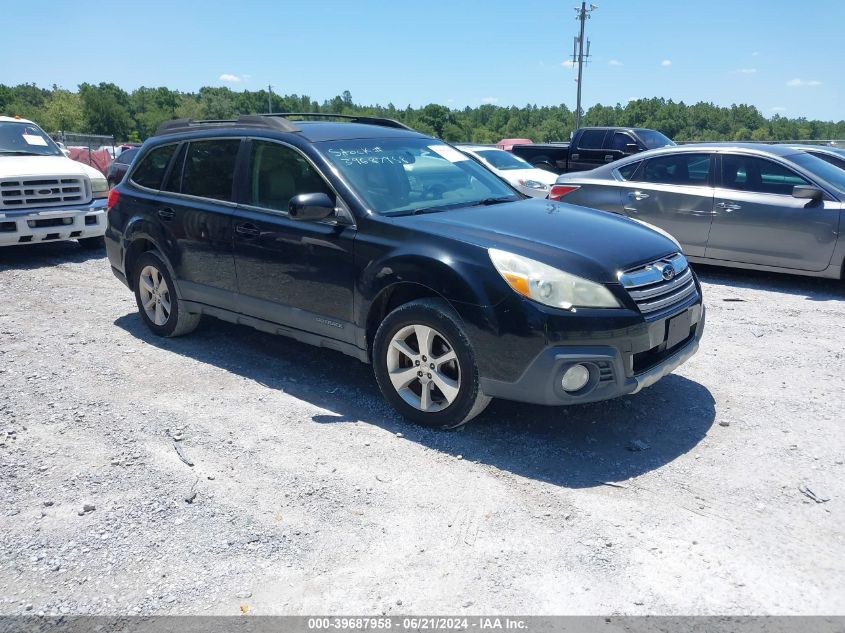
<point x="308" y="494"/>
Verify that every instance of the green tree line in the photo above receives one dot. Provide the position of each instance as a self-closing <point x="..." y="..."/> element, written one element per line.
<point x="108" y="109"/>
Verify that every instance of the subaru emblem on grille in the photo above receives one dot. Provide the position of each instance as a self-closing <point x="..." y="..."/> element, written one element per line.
<point x="668" y="272"/>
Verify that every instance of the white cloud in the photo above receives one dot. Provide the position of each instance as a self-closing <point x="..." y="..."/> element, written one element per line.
<point x="798" y="83"/>
<point x="755" y="54"/>
<point x="666" y="63"/>
<point x="777" y="109"/>
<point x="746" y="71"/>
<point x="614" y="62"/>
<point x="490" y="100"/>
<point x="230" y="77"/>
<point x="633" y="98"/>
<point x="568" y="64"/>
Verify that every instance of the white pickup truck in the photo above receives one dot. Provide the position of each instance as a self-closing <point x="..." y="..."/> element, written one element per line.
<point x="45" y="196"/>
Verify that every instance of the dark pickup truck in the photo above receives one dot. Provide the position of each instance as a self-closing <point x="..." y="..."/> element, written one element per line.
<point x="591" y="147"/>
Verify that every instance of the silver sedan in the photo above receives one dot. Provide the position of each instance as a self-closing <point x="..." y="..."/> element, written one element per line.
<point x="765" y="207"/>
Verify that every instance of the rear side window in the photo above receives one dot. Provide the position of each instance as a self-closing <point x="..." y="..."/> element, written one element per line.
<point x="150" y="170"/>
<point x="678" y="169"/>
<point x="279" y="173"/>
<point x="627" y="171"/>
<point x="173" y="180"/>
<point x="759" y="175"/>
<point x="210" y="168"/>
<point x="591" y="139"/>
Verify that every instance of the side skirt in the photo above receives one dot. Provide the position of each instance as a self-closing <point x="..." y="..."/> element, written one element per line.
<point x="275" y="328"/>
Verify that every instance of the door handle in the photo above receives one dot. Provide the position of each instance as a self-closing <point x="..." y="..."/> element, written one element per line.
<point x="637" y="195"/>
<point x="166" y="214"/>
<point x="728" y="206"/>
<point x="247" y="230"/>
<point x="608" y="158"/>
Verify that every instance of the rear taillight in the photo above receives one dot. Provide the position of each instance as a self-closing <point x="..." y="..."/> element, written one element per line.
<point x="114" y="196"/>
<point x="558" y="191"/>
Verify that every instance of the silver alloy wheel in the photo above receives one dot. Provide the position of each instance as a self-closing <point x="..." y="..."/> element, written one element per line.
<point x="423" y="368"/>
<point x="155" y="295"/>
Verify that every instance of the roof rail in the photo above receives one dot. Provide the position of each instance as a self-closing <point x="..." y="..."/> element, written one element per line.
<point x="275" y="121"/>
<point x="352" y="118"/>
<point x="244" y="120"/>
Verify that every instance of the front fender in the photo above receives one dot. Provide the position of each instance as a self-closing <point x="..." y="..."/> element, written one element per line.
<point x="459" y="282"/>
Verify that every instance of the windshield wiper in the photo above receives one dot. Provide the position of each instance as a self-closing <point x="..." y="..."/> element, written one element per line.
<point x="419" y="211"/>
<point x="20" y="152"/>
<point x="488" y="201"/>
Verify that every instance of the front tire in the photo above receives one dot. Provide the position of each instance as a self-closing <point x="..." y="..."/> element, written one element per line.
<point x="425" y="365"/>
<point x="159" y="305"/>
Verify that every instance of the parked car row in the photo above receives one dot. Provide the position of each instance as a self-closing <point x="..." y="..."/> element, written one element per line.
<point x="462" y="273"/>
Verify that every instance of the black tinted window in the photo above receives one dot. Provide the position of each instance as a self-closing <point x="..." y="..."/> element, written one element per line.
<point x="830" y="158"/>
<point x="151" y="169"/>
<point x="627" y="171"/>
<point x="126" y="157"/>
<point x="678" y="169"/>
<point x="748" y="173"/>
<point x="621" y="142"/>
<point x="591" y="139"/>
<point x="278" y="174"/>
<point x="210" y="168"/>
<point x="173" y="181"/>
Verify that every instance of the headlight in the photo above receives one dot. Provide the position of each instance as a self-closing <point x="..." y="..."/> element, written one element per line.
<point x="99" y="188"/>
<point x="550" y="286"/>
<point x="533" y="184"/>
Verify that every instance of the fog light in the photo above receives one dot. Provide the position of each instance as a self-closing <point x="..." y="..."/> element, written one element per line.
<point x="575" y="378"/>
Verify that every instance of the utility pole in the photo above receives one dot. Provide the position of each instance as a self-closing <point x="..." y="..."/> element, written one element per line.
<point x="578" y="55"/>
<point x="269" y="99"/>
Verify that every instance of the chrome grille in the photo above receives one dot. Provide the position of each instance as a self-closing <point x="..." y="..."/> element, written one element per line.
<point x="39" y="192"/>
<point x="660" y="285"/>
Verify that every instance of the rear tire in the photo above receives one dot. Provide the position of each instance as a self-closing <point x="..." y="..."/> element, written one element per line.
<point x="155" y="293"/>
<point x="425" y="365"/>
<point x="92" y="243"/>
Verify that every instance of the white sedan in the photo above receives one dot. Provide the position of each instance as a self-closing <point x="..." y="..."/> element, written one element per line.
<point x="520" y="174"/>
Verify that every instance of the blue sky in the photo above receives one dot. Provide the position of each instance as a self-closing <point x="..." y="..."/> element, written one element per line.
<point x="453" y="52"/>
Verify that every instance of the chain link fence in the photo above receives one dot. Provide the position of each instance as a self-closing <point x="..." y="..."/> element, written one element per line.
<point x="96" y="150"/>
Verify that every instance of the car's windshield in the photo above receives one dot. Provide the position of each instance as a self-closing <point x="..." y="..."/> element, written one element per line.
<point x="654" y="139"/>
<point x="407" y="175"/>
<point x="824" y="170"/>
<point x="21" y="139"/>
<point x="502" y="160"/>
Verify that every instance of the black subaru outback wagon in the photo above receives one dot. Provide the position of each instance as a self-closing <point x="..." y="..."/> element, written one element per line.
<point x="361" y="235"/>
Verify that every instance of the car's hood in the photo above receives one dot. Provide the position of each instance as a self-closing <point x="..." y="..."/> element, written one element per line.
<point x="12" y="166"/>
<point x="593" y="244"/>
<point x="540" y="175"/>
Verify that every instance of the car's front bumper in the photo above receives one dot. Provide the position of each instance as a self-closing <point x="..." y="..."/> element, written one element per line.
<point x="54" y="223"/>
<point x="625" y="362"/>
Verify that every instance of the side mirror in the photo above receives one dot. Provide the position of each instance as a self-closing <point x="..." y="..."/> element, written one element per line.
<point x="807" y="192"/>
<point x="632" y="147"/>
<point x="310" y="207"/>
